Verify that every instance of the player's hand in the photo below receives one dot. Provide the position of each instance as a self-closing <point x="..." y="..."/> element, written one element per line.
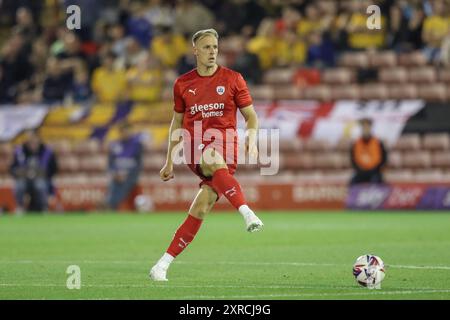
<point x="166" y="172"/>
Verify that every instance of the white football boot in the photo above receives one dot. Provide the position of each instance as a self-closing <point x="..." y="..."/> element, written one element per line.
<point x="253" y="223"/>
<point x="158" y="273"/>
<point x="159" y="270"/>
<point x="251" y="220"/>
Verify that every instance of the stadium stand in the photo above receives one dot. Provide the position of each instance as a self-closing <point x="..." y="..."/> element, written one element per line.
<point x="79" y="125"/>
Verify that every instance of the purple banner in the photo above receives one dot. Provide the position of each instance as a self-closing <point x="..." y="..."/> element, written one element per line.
<point x="399" y="196"/>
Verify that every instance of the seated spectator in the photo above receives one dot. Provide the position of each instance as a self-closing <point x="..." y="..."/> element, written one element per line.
<point x="133" y="53"/>
<point x="406" y="22"/>
<point x="310" y="22"/>
<point x="368" y="156"/>
<point x="359" y="36"/>
<point x="191" y="16"/>
<point x="435" y="28"/>
<point x="109" y="83"/>
<point x="169" y="47"/>
<point x="160" y="13"/>
<point x="81" y="89"/>
<point x="15" y="65"/>
<point x="145" y="80"/>
<point x="119" y="41"/>
<point x="276" y="48"/>
<point x="33" y="168"/>
<point x="138" y="27"/>
<point x="186" y="63"/>
<point x="124" y="165"/>
<point x="262" y="44"/>
<point x="57" y="83"/>
<point x="247" y="63"/>
<point x="320" y="51"/>
<point x="25" y="25"/>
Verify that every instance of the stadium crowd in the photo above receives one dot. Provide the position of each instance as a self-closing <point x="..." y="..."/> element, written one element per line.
<point x="125" y="48"/>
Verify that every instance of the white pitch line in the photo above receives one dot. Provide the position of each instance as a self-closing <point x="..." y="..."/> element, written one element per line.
<point x="170" y="286"/>
<point x="256" y="263"/>
<point x="406" y="292"/>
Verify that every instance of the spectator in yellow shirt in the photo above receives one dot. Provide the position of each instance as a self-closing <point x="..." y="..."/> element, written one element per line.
<point x="145" y="80"/>
<point x="276" y="49"/>
<point x="359" y="35"/>
<point x="435" y="28"/>
<point x="169" y="47"/>
<point x="109" y="84"/>
<point x="311" y="22"/>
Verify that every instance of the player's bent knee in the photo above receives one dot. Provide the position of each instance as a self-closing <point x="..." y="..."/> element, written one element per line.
<point x="211" y="161"/>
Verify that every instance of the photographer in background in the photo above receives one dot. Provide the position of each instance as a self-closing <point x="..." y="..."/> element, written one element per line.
<point x="124" y="163"/>
<point x="33" y="167"/>
<point x="368" y="156"/>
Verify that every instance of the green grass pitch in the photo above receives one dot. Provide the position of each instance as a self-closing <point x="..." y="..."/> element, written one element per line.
<point x="297" y="256"/>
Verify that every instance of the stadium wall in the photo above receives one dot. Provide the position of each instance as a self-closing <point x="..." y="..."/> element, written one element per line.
<point x="264" y="196"/>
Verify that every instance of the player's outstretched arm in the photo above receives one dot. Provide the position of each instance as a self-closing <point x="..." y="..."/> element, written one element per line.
<point x="166" y="172"/>
<point x="251" y="134"/>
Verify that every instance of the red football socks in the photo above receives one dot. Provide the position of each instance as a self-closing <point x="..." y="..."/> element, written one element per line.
<point x="184" y="235"/>
<point x="224" y="182"/>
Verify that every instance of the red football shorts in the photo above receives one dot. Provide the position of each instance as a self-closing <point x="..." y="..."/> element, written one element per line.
<point x="228" y="152"/>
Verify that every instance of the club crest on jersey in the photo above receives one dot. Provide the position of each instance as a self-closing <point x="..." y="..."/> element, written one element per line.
<point x="220" y="90"/>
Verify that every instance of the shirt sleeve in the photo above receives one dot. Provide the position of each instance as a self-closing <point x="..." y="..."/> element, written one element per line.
<point x="179" y="104"/>
<point x="242" y="96"/>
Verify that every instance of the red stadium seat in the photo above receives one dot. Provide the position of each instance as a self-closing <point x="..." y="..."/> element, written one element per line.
<point x="315" y="145"/>
<point x="278" y="76"/>
<point x="287" y="92"/>
<point x="416" y="159"/>
<point x="354" y="60"/>
<point x="436" y="92"/>
<point x="403" y="91"/>
<point x="415" y="58"/>
<point x="350" y="92"/>
<point x="91" y="146"/>
<point x="6" y="149"/>
<point x="383" y="59"/>
<point x="393" y="75"/>
<point x="395" y="159"/>
<point x="436" y="141"/>
<point x="262" y="92"/>
<point x="320" y="92"/>
<point x="68" y="163"/>
<point x="410" y="141"/>
<point x="376" y="91"/>
<point x="440" y="159"/>
<point x="444" y="75"/>
<point x="299" y="161"/>
<point x="398" y="175"/>
<point x="290" y="145"/>
<point x="428" y="175"/>
<point x="61" y="147"/>
<point x="426" y="74"/>
<point x="153" y="162"/>
<point x="344" y="145"/>
<point x="338" y="76"/>
<point x="330" y="160"/>
<point x="94" y="163"/>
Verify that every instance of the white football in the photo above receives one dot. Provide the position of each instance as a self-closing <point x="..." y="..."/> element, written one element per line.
<point x="368" y="271"/>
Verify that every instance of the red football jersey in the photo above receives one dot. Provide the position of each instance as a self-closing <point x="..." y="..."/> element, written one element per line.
<point x="211" y="100"/>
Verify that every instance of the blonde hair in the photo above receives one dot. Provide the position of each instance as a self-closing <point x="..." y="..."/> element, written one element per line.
<point x="201" y="33"/>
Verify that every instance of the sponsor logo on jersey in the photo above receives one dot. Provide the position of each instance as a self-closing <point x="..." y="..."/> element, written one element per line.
<point x="208" y="110"/>
<point x="192" y="91"/>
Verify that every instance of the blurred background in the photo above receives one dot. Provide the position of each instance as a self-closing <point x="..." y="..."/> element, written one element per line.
<point x="314" y="70"/>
